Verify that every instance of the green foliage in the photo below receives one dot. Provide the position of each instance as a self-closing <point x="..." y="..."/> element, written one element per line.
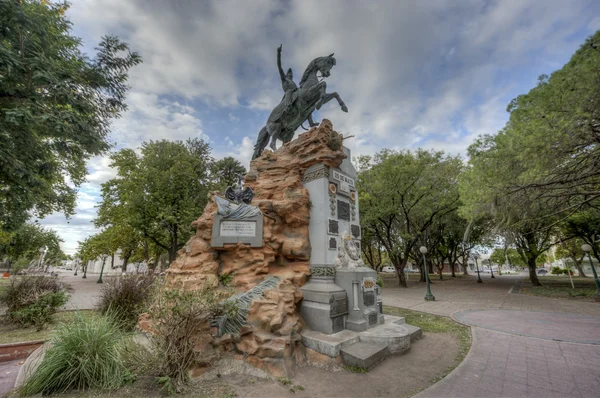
<point x="226" y="279"/>
<point x="402" y="194"/>
<point x="88" y="353"/>
<point x="56" y="105"/>
<point x="379" y="281"/>
<point x="226" y="171"/>
<point x="158" y="192"/>
<point x="176" y="317"/>
<point x="25" y="242"/>
<point x="31" y="300"/>
<point x="500" y="257"/>
<point x="125" y="298"/>
<point x="356" y="369"/>
<point x="556" y="271"/>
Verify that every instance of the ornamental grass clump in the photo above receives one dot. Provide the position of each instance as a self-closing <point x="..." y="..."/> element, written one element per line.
<point x="32" y="300"/>
<point x="126" y="297"/>
<point x="88" y="353"/>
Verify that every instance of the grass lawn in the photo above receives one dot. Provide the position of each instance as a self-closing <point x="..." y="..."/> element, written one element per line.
<point x="560" y="287"/>
<point x="10" y="333"/>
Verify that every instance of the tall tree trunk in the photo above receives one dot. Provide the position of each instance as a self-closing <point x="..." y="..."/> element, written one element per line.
<point x="579" y="265"/>
<point x="125" y="262"/>
<point x="452" y="266"/>
<point x="112" y="261"/>
<point x="465" y="264"/>
<point x="532" y="274"/>
<point x="174" y="246"/>
<point x="399" y="266"/>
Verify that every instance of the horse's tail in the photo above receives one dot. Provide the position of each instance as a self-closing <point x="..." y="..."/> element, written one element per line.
<point x="261" y="142"/>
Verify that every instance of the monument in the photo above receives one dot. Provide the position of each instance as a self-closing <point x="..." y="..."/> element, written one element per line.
<point x="288" y="240"/>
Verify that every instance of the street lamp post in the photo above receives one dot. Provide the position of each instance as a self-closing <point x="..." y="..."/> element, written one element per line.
<point x="428" y="295"/>
<point x="104" y="256"/>
<point x="475" y="257"/>
<point x="587" y="248"/>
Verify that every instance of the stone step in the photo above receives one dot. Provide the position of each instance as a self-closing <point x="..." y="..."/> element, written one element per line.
<point x="364" y="355"/>
<point x="395" y="333"/>
<point x="415" y="332"/>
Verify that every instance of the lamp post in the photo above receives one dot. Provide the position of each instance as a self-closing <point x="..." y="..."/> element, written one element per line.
<point x="104" y="256"/>
<point x="475" y="257"/>
<point x="428" y="295"/>
<point x="587" y="248"/>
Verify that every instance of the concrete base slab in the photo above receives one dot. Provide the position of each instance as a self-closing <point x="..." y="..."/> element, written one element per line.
<point x="364" y="355"/>
<point x="328" y="344"/>
<point x="395" y="335"/>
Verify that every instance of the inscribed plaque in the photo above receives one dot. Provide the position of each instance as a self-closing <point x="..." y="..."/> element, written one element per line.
<point x="237" y="228"/>
<point x="355" y="229"/>
<point x="369" y="298"/>
<point x="332" y="243"/>
<point x="333" y="227"/>
<point x="343" y="210"/>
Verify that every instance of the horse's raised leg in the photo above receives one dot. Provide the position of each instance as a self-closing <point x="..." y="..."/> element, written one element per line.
<point x="329" y="96"/>
<point x="311" y="122"/>
<point x="321" y="87"/>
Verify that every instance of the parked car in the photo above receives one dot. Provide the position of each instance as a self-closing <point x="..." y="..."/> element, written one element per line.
<point x="542" y="271"/>
<point x="388" y="269"/>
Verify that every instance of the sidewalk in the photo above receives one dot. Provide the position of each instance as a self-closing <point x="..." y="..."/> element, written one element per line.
<point x="84" y="292"/>
<point x="523" y="346"/>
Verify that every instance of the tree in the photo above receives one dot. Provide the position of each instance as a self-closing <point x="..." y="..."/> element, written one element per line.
<point x="25" y="244"/>
<point x="402" y="194"/>
<point x="556" y="128"/>
<point x="226" y="172"/>
<point x="508" y="256"/>
<point x="159" y="192"/>
<point x="570" y="250"/>
<point x="56" y="106"/>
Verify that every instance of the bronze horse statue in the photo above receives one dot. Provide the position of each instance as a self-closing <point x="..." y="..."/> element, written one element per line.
<point x="297" y="104"/>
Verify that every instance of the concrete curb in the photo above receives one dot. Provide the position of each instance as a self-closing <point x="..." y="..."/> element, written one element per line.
<point x="19" y="350"/>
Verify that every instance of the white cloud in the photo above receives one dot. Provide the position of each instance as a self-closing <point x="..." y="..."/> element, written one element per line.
<point x="429" y="74"/>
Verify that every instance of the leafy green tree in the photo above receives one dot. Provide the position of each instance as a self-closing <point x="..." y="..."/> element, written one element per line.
<point x="510" y="256"/>
<point x="402" y="194"/>
<point x="159" y="192"/>
<point x="570" y="251"/>
<point x="226" y="171"/>
<point x="585" y="225"/>
<point x="556" y="129"/>
<point x="25" y="243"/>
<point x="56" y="106"/>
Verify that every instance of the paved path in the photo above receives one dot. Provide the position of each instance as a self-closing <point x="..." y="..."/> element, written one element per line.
<point x="84" y="292"/>
<point x="523" y="346"/>
<point x="8" y="375"/>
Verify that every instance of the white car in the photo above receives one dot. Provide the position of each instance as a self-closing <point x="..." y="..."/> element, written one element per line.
<point x="388" y="269"/>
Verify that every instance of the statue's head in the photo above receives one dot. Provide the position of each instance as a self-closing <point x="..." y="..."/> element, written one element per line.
<point x="290" y="74"/>
<point x="324" y="64"/>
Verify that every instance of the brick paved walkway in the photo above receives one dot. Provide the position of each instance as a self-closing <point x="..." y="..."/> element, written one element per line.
<point x="513" y="353"/>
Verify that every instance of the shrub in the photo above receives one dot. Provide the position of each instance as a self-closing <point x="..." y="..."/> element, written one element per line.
<point x="32" y="300"/>
<point x="87" y="353"/>
<point x="379" y="281"/>
<point x="556" y="271"/>
<point x="178" y="318"/>
<point x="126" y="297"/>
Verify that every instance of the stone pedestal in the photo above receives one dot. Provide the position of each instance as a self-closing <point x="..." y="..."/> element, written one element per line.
<point x="359" y="283"/>
<point x="325" y="304"/>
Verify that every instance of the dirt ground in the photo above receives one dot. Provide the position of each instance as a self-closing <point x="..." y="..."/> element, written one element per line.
<point x="398" y="376"/>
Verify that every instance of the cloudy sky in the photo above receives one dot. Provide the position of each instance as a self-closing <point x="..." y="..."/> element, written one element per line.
<point x="432" y="74"/>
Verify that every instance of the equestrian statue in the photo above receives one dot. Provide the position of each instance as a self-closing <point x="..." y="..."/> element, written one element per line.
<point x="298" y="103"/>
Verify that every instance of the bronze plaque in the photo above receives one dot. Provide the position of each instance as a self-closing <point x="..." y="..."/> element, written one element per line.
<point x="333" y="227"/>
<point x="369" y="298"/>
<point x="332" y="243"/>
<point x="339" y="304"/>
<point x="355" y="230"/>
<point x="343" y="210"/>
<point x="373" y="318"/>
